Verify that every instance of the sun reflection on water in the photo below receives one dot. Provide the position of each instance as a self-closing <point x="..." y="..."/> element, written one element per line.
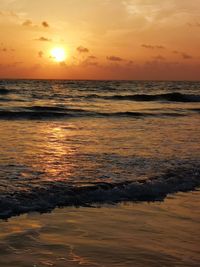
<point x="57" y="154"/>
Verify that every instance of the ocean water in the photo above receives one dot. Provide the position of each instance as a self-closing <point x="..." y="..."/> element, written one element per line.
<point x="83" y="143"/>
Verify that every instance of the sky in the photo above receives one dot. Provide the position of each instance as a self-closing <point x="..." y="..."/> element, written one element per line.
<point x="102" y="39"/>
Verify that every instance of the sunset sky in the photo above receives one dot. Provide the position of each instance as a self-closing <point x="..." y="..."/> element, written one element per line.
<point x="100" y="39"/>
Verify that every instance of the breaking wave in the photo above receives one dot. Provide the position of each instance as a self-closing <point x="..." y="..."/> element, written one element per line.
<point x="46" y="197"/>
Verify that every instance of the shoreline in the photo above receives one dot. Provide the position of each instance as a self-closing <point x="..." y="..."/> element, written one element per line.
<point x="144" y="234"/>
<point x="46" y="198"/>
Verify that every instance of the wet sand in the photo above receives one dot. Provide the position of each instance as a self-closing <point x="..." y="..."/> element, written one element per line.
<point x="129" y="234"/>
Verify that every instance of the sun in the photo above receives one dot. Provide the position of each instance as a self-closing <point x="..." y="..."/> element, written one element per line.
<point x="58" y="54"/>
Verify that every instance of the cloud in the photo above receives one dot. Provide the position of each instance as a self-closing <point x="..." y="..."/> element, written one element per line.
<point x="63" y="64"/>
<point x="160" y="47"/>
<point x="147" y="46"/>
<point x="159" y="57"/>
<point x="92" y="57"/>
<point x="186" y="56"/>
<point x="130" y="63"/>
<point x="43" y="39"/>
<point x="161" y="13"/>
<point x="82" y="49"/>
<point x="152" y="46"/>
<point x="45" y="24"/>
<point x="90" y="61"/>
<point x="4" y="49"/>
<point x="40" y="54"/>
<point x="114" y="58"/>
<point x="27" y="23"/>
<point x="183" y="54"/>
<point x="10" y="14"/>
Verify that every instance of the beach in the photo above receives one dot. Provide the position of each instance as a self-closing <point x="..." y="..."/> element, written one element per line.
<point x="130" y="234"/>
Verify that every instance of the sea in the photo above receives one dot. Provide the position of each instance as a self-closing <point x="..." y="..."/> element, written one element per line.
<point x="86" y="143"/>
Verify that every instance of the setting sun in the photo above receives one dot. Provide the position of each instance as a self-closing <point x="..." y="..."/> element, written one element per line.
<point x="58" y="54"/>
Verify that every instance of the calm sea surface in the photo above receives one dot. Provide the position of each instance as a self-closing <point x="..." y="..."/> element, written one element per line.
<point x="85" y="142"/>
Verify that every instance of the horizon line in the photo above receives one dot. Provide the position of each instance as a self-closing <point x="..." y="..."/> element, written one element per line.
<point x="119" y="80"/>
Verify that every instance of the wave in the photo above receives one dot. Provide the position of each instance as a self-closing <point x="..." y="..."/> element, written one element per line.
<point x="56" y="113"/>
<point x="169" y="97"/>
<point x="197" y="110"/>
<point x="2" y="99"/>
<point x="4" y="91"/>
<point x="46" y="197"/>
<point x="48" y="108"/>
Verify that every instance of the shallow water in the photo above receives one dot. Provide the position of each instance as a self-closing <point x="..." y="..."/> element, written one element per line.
<point x="84" y="142"/>
<point x="140" y="234"/>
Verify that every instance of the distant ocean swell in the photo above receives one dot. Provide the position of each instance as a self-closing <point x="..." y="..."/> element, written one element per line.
<point x="46" y="197"/>
<point x="171" y="97"/>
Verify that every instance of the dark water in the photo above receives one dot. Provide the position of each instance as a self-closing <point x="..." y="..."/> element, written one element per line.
<point x="86" y="142"/>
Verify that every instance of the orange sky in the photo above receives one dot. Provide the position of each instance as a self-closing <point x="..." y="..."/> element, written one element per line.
<point x="103" y="39"/>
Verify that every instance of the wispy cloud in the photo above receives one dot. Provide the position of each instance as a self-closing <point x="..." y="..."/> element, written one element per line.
<point x="115" y="58"/>
<point x="6" y="49"/>
<point x="92" y="57"/>
<point x="11" y="14"/>
<point x="87" y="62"/>
<point x="160" y="13"/>
<point x="43" y="39"/>
<point x="82" y="49"/>
<point x="186" y="56"/>
<point x="148" y="46"/>
<point x="30" y="23"/>
<point x="27" y="23"/>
